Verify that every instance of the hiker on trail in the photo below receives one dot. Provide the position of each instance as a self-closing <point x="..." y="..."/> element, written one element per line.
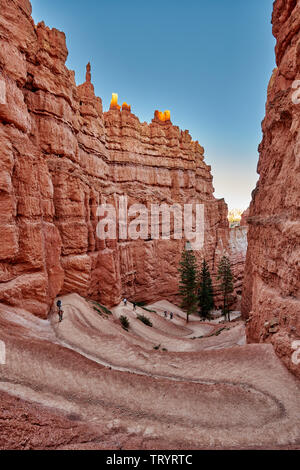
<point x="60" y="314"/>
<point x="60" y="311"/>
<point x="134" y="305"/>
<point x="171" y="316"/>
<point x="166" y="313"/>
<point x="125" y="302"/>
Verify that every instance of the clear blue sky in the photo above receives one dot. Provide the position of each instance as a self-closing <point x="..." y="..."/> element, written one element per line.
<point x="208" y="61"/>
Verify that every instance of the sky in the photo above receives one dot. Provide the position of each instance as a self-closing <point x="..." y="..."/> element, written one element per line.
<point x="208" y="62"/>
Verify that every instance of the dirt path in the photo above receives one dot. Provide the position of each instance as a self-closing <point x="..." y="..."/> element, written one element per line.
<point x="210" y="392"/>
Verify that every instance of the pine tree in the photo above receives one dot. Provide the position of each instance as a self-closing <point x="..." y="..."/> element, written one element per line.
<point x="188" y="282"/>
<point x="226" y="285"/>
<point x="205" y="292"/>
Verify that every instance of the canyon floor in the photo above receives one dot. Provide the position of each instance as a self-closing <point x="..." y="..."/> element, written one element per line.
<point x="86" y="383"/>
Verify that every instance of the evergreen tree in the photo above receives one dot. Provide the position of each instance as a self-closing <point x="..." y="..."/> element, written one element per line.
<point x="226" y="285"/>
<point x="188" y="282"/>
<point x="205" y="292"/>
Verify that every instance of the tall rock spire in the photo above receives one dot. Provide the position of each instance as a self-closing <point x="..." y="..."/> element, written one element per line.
<point x="88" y="73"/>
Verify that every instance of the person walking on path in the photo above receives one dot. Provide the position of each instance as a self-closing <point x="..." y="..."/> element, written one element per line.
<point x="125" y="301"/>
<point x="60" y="311"/>
<point x="166" y="313"/>
<point x="171" y="316"/>
<point x="134" y="305"/>
<point x="60" y="314"/>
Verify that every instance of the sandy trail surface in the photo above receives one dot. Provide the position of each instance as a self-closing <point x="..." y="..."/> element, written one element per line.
<point x="202" y="387"/>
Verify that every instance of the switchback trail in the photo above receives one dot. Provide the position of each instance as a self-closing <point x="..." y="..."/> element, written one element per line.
<point x="173" y="385"/>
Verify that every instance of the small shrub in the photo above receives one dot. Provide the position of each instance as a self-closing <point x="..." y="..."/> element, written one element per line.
<point x="98" y="311"/>
<point x="219" y="331"/>
<point x="149" y="310"/>
<point x="124" y="322"/>
<point x="102" y="308"/>
<point x="145" y="320"/>
<point x="142" y="305"/>
<point x="105" y="310"/>
<point x="156" y="347"/>
<point x="164" y="349"/>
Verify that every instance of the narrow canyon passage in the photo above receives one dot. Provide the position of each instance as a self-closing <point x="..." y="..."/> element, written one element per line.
<point x="208" y="392"/>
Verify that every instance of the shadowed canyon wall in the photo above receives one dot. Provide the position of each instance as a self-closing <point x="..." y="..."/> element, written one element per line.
<point x="271" y="294"/>
<point x="61" y="156"/>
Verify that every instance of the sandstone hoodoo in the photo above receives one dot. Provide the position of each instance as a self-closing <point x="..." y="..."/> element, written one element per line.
<point x="162" y="116"/>
<point x="62" y="156"/>
<point x="271" y="287"/>
<point x="114" y="102"/>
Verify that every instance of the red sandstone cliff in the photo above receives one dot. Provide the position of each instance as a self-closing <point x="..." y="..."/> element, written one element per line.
<point x="61" y="156"/>
<point x="271" y="294"/>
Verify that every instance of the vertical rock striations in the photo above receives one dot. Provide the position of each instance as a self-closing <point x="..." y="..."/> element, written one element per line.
<point x="271" y="295"/>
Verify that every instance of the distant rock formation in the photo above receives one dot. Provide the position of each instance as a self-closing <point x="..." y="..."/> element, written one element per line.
<point x="271" y="294"/>
<point x="244" y="217"/>
<point x="61" y="157"/>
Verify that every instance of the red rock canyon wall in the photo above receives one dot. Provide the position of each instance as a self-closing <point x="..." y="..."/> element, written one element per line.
<point x="61" y="156"/>
<point x="271" y="294"/>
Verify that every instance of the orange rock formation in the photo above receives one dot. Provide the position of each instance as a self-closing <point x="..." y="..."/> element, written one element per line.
<point x="162" y="116"/>
<point x="114" y="102"/>
<point x="126" y="107"/>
